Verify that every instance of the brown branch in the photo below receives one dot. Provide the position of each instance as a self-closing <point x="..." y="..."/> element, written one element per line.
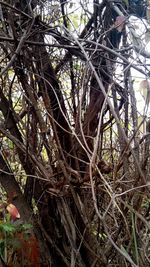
<point x="18" y="11"/>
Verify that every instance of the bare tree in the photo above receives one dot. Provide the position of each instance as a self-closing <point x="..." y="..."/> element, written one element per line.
<point x="74" y="160"/>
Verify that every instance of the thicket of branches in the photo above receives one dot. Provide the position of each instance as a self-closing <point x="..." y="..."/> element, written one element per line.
<point x="74" y="160"/>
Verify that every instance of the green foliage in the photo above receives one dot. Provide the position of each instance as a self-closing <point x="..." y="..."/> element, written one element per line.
<point x="10" y="236"/>
<point x="7" y="227"/>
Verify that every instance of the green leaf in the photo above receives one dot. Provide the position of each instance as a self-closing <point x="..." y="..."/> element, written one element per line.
<point x="7" y="227"/>
<point x="26" y="226"/>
